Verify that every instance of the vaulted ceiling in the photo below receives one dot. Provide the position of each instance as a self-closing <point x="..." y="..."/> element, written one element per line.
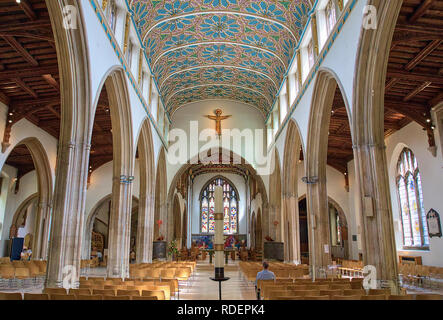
<point x="220" y="49"/>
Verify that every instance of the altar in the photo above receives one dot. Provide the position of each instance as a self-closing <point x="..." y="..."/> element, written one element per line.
<point x="226" y="251"/>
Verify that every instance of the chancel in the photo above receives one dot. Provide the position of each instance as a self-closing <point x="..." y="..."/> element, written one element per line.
<point x="331" y="166"/>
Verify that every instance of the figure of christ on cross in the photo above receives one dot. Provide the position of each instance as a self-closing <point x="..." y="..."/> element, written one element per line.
<point x="218" y="118"/>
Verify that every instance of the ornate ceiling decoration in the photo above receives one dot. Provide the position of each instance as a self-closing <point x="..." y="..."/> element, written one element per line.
<point x="210" y="49"/>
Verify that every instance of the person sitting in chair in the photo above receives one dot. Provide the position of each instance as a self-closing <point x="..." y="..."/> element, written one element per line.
<point x="265" y="274"/>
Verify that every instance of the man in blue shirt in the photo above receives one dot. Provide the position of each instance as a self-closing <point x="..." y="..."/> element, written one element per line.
<point x="264" y="275"/>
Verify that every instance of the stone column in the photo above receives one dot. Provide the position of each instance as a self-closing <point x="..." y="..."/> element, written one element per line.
<point x="145" y="228"/>
<point x="294" y="225"/>
<point x="120" y="228"/>
<point x="318" y="227"/>
<point x="40" y="242"/>
<point x="68" y="214"/>
<point x="378" y="238"/>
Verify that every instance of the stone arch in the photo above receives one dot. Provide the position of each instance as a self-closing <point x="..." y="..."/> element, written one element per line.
<point x="316" y="163"/>
<point x="377" y="230"/>
<point x="344" y="225"/>
<point x="123" y="172"/>
<point x="160" y="198"/>
<point x="44" y="193"/>
<point x="90" y="221"/>
<point x="275" y="199"/>
<point x="252" y="172"/>
<point x="220" y="176"/>
<point x="145" y="226"/>
<point x="14" y="224"/>
<point x="293" y="148"/>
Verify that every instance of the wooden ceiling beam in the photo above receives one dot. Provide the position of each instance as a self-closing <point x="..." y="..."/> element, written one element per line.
<point x="416" y="91"/>
<point x="25" y="87"/>
<point x="27" y="8"/>
<point x="41" y="24"/>
<point x="51" y="81"/>
<point x="421" y="10"/>
<point x="405" y="75"/>
<point x="423" y="54"/>
<point x="32" y="102"/>
<point x="391" y="83"/>
<point x="28" y="72"/>
<point x="20" y="50"/>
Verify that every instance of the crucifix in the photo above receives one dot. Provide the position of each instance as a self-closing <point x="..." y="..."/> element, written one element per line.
<point x="218" y="119"/>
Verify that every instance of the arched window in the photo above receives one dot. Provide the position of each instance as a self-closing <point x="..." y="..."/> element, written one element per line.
<point x="230" y="207"/>
<point x="413" y="217"/>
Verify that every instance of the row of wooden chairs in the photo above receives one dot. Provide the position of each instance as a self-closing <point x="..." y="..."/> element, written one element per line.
<point x="421" y="276"/>
<point x="22" y="273"/>
<point x="45" y="296"/>
<point x="159" y="292"/>
<point x="266" y="288"/>
<point x="168" y="288"/>
<point x="366" y="297"/>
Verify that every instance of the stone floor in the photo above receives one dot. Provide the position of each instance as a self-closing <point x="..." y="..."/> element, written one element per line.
<point x="202" y="288"/>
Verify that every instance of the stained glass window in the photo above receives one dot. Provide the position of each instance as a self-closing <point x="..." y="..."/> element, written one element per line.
<point x="230" y="208"/>
<point x="410" y="193"/>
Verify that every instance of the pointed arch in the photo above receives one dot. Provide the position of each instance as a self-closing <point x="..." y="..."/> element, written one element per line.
<point x="316" y="163"/>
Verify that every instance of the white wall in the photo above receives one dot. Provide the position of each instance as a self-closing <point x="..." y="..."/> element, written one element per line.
<point x="243" y="117"/>
<point x="199" y="183"/>
<point x="28" y="187"/>
<point x="431" y="170"/>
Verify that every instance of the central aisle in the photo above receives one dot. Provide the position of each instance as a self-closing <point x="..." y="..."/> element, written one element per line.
<point x="200" y="287"/>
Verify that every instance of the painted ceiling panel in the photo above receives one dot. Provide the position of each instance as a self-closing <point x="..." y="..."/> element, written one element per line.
<point x="220" y="49"/>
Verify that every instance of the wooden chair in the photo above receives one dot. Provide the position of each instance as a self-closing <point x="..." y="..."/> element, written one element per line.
<point x="117" y="298"/>
<point x="374" y="297"/>
<point x="144" y="298"/>
<point x="428" y="297"/>
<point x="354" y="292"/>
<point x="128" y="293"/>
<point x="94" y="297"/>
<point x="51" y="291"/>
<point x="154" y="293"/>
<point x="10" y="296"/>
<point x="62" y="297"/>
<point x="36" y="297"/>
<point x="401" y="297"/>
<point x="331" y="293"/>
<point x="81" y="291"/>
<point x="317" y="298"/>
<point x="353" y="298"/>
<point x="305" y="293"/>
<point x="103" y="292"/>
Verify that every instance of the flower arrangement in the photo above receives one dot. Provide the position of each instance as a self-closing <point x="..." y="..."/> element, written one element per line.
<point x="172" y="248"/>
<point x="268" y="238"/>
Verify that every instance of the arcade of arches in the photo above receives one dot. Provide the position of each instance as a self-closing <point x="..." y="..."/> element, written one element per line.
<point x="112" y="145"/>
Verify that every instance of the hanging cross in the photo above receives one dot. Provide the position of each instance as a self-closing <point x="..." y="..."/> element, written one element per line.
<point x="218" y="118"/>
